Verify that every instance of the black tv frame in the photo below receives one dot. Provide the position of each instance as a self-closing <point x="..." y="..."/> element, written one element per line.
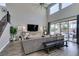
<point x="32" y="28"/>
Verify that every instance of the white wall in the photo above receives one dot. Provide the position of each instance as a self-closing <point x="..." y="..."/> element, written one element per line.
<point x="4" y="39"/>
<point x="72" y="10"/>
<point x="25" y="13"/>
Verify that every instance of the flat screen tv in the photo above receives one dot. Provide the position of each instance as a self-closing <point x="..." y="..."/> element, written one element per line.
<point x="31" y="27"/>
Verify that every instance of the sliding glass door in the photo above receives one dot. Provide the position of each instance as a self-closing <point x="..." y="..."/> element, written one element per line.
<point x="64" y="30"/>
<point x="68" y="29"/>
<point x="52" y="29"/>
<point x="72" y="30"/>
<point x="57" y="28"/>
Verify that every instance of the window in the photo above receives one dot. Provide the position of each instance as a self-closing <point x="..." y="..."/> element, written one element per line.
<point x="2" y="4"/>
<point x="54" y="9"/>
<point x="52" y="29"/>
<point x="64" y="5"/>
<point x="57" y="28"/>
<point x="66" y="28"/>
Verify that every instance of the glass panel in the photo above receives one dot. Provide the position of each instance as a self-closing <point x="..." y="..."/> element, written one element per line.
<point x="52" y="29"/>
<point x="64" y="30"/>
<point x="54" y="9"/>
<point x="64" y="5"/>
<point x="68" y="29"/>
<point x="72" y="30"/>
<point x="57" y="28"/>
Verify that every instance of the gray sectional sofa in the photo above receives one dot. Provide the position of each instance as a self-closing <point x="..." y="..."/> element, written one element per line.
<point x="35" y="44"/>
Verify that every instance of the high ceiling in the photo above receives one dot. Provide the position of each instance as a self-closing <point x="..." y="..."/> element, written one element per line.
<point x="45" y="5"/>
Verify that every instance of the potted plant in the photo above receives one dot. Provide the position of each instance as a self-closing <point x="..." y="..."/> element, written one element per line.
<point x="13" y="32"/>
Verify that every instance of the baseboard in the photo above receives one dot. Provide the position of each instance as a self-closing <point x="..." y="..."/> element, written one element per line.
<point x="4" y="46"/>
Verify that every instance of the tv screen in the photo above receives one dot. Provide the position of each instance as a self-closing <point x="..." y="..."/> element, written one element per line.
<point x="31" y="27"/>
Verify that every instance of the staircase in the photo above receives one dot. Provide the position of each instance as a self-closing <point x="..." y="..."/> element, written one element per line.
<point x="3" y="24"/>
<point x="4" y="31"/>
